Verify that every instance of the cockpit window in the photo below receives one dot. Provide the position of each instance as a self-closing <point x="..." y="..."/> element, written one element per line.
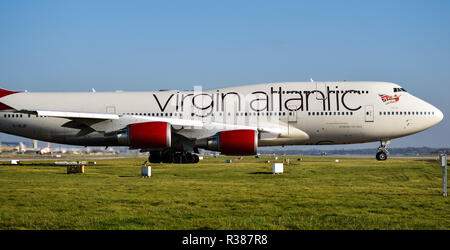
<point x="399" y="90"/>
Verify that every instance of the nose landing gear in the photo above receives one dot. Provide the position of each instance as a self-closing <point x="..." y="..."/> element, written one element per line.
<point x="382" y="151"/>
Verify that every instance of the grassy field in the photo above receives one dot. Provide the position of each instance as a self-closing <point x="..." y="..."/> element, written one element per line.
<point x="316" y="193"/>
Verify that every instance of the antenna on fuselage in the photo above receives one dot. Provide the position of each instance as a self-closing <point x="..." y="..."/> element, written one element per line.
<point x="311" y="79"/>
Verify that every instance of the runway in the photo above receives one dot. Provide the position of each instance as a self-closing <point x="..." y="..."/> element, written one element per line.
<point x="89" y="157"/>
<point x="84" y="157"/>
<point x="418" y="157"/>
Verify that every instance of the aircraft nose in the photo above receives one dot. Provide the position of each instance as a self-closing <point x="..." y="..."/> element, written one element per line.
<point x="439" y="116"/>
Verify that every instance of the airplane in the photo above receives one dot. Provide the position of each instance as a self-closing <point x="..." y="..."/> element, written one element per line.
<point x="25" y="150"/>
<point x="10" y="148"/>
<point x="45" y="150"/>
<point x="172" y="125"/>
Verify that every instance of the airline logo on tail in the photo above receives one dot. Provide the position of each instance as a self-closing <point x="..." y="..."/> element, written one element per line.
<point x="45" y="150"/>
<point x="389" y="99"/>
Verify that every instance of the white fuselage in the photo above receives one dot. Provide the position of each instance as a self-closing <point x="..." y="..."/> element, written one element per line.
<point x="293" y="113"/>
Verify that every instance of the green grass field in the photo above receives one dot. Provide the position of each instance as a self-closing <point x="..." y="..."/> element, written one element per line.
<point x="317" y="193"/>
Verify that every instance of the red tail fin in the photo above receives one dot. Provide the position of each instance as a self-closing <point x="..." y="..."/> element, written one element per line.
<point x="5" y="92"/>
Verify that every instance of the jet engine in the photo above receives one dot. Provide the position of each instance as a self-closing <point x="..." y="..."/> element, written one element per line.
<point x="231" y="142"/>
<point x="146" y="135"/>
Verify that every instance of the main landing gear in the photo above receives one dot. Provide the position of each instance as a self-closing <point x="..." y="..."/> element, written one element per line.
<point x="170" y="156"/>
<point x="382" y="151"/>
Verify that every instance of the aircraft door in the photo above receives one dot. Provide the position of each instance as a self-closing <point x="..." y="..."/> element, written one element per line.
<point x="292" y="115"/>
<point x="369" y="113"/>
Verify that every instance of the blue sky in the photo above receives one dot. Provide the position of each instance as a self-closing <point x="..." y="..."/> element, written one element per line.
<point x="145" y="45"/>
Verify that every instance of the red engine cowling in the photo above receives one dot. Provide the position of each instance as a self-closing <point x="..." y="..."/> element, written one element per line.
<point x="238" y="142"/>
<point x="147" y="135"/>
<point x="232" y="142"/>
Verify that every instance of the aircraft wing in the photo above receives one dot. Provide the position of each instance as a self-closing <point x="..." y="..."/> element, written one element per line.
<point x="72" y="115"/>
<point x="84" y="121"/>
<point x="96" y="117"/>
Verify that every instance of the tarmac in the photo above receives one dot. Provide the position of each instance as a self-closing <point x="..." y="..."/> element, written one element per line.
<point x="88" y="157"/>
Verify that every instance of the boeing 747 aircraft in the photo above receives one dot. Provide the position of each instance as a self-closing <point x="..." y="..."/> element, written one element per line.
<point x="173" y="125"/>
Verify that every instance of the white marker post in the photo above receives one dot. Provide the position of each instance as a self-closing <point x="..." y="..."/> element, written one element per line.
<point x="146" y="171"/>
<point x="443" y="162"/>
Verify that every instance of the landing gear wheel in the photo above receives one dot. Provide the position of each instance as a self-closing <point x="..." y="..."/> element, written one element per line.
<point x="381" y="156"/>
<point x="178" y="158"/>
<point x="171" y="156"/>
<point x="382" y="151"/>
<point x="196" y="159"/>
<point x="188" y="158"/>
<point x="155" y="157"/>
<point x="168" y="157"/>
